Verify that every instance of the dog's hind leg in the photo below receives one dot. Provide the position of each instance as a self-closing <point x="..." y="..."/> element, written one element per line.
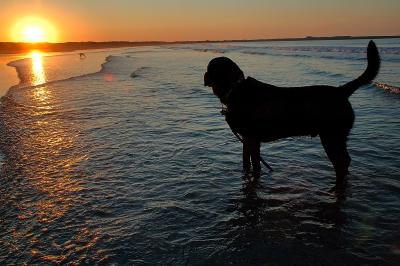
<point x="336" y="148"/>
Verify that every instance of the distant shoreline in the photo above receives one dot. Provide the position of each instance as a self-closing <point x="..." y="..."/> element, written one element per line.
<point x="18" y="48"/>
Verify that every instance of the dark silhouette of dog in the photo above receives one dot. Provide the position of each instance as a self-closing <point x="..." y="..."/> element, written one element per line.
<point x="261" y="112"/>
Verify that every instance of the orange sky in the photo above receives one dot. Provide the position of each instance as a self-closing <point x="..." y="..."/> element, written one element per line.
<point x="137" y="20"/>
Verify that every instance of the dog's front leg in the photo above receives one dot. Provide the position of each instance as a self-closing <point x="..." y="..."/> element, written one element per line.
<point x="246" y="155"/>
<point x="255" y="157"/>
<point x="251" y="152"/>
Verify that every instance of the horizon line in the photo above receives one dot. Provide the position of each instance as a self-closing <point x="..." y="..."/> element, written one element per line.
<point x="338" y="37"/>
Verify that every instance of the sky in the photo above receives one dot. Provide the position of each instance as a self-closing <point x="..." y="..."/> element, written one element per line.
<point x="178" y="20"/>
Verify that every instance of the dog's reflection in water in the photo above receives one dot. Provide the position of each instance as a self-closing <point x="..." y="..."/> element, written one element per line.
<point x="250" y="204"/>
<point x="256" y="210"/>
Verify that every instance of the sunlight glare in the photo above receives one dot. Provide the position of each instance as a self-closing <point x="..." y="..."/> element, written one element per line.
<point x="38" y="75"/>
<point x="34" y="29"/>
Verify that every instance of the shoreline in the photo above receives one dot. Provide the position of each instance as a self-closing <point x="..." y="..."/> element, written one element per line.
<point x="9" y="76"/>
<point x="18" y="48"/>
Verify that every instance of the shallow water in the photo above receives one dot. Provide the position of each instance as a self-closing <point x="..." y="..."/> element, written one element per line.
<point x="134" y="165"/>
<point x="8" y="75"/>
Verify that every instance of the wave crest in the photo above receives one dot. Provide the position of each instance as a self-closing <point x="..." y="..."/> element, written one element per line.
<point x="387" y="87"/>
<point x="138" y="72"/>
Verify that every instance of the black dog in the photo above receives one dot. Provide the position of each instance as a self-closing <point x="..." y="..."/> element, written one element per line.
<point x="262" y="112"/>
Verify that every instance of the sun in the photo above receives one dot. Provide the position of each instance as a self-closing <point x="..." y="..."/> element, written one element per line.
<point x="33" y="34"/>
<point x="34" y="29"/>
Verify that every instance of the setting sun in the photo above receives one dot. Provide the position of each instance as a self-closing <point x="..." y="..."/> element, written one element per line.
<point x="33" y="34"/>
<point x="34" y="29"/>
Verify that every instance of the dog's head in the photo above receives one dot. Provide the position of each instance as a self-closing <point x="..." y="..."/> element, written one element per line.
<point x="222" y="74"/>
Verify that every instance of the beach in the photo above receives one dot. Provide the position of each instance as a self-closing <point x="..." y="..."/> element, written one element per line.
<point x="124" y="158"/>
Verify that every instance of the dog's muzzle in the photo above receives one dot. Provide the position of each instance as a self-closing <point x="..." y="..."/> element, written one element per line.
<point x="207" y="81"/>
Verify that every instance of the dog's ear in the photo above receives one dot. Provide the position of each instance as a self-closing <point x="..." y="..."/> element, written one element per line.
<point x="222" y="72"/>
<point x="239" y="75"/>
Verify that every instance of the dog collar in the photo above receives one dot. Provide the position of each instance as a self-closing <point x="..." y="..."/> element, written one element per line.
<point x="234" y="86"/>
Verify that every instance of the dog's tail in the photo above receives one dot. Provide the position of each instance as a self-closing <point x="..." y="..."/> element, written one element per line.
<point x="369" y="74"/>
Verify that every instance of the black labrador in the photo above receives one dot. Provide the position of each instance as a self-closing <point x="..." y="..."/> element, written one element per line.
<point x="261" y="112"/>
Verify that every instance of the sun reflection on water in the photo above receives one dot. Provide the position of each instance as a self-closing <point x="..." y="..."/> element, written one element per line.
<point x="41" y="94"/>
<point x="38" y="74"/>
<point x="49" y="159"/>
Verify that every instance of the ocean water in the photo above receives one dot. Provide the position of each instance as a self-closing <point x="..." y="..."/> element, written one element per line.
<point x="123" y="158"/>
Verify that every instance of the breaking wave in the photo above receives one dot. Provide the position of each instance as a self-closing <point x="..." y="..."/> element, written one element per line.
<point x="387" y="87"/>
